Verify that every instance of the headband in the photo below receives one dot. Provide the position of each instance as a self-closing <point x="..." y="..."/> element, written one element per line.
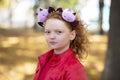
<point x="67" y="14"/>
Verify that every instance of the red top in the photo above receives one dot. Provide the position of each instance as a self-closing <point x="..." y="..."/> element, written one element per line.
<point x="63" y="66"/>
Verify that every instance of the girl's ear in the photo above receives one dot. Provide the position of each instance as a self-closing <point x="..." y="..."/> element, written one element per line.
<point x="73" y="35"/>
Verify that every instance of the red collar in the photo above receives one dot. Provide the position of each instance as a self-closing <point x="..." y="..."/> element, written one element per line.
<point x="54" y="58"/>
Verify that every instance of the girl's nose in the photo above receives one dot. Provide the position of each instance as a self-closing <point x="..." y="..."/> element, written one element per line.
<point x="52" y="36"/>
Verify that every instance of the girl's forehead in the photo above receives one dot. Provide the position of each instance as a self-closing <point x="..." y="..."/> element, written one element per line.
<point x="54" y="21"/>
<point x="55" y="24"/>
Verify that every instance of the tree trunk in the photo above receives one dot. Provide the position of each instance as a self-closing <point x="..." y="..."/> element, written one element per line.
<point x="112" y="64"/>
<point x="100" y="21"/>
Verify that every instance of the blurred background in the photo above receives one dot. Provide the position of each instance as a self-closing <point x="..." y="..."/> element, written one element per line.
<point x="22" y="40"/>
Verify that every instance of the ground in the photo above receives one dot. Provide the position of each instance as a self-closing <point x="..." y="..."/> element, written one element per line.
<point x="19" y="50"/>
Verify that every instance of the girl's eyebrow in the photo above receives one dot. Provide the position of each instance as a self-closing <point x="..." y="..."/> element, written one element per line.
<point x="55" y="29"/>
<point x="59" y="29"/>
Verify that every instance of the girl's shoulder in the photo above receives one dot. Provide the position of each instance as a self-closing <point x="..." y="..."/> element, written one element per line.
<point x="75" y="70"/>
<point x="73" y="61"/>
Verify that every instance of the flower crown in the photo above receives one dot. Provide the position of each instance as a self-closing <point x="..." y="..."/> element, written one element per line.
<point x="67" y="14"/>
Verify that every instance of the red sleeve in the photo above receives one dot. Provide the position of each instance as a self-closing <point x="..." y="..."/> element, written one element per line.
<point x="75" y="72"/>
<point x="37" y="72"/>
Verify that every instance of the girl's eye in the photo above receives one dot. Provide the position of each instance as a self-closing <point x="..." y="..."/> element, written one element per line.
<point x="47" y="32"/>
<point x="58" y="32"/>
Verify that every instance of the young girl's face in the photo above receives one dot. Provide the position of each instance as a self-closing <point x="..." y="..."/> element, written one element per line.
<point x="58" y="34"/>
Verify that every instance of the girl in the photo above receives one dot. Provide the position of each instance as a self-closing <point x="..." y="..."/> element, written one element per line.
<point x="66" y="35"/>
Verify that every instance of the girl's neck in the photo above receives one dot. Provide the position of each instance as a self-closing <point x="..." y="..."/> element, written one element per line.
<point x="60" y="51"/>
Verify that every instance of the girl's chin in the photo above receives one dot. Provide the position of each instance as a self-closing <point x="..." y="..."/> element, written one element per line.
<point x="55" y="48"/>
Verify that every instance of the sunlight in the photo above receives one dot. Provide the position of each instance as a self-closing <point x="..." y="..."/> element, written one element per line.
<point x="18" y="72"/>
<point x="10" y="41"/>
<point x="99" y="66"/>
<point x="23" y="13"/>
<point x="26" y="68"/>
<point x="97" y="38"/>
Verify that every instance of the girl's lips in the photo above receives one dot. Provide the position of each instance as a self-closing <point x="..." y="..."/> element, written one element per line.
<point x="52" y="43"/>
